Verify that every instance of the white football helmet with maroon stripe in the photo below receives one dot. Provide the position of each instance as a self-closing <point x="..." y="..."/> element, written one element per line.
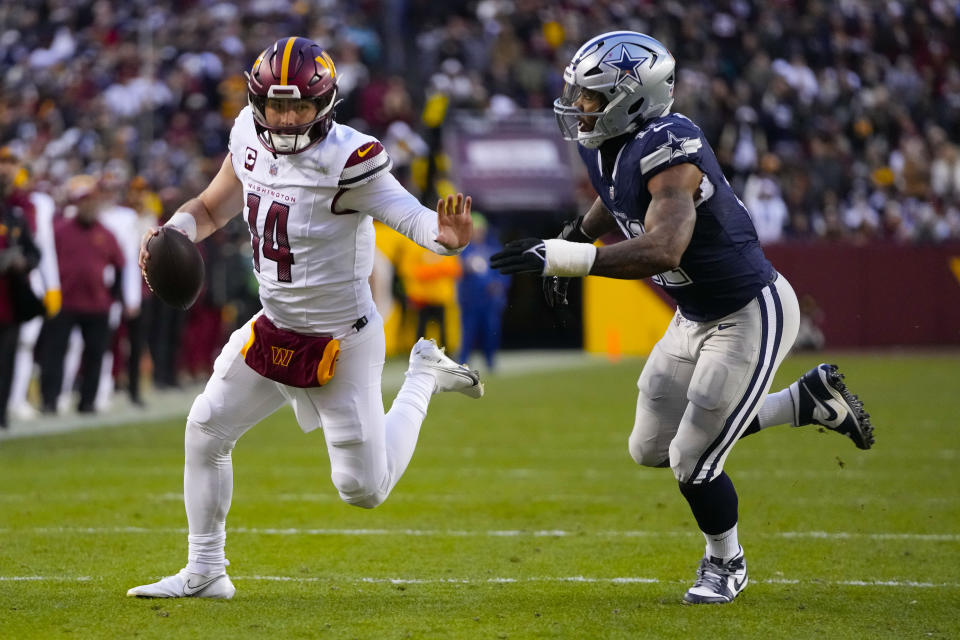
<point x="293" y="69"/>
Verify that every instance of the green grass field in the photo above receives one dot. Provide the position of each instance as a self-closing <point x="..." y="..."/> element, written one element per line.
<point x="521" y="516"/>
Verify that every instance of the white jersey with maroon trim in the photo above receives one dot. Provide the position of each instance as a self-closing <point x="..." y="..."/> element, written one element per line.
<point x="312" y="264"/>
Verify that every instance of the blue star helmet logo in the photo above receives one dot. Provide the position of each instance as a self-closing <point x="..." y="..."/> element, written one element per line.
<point x="626" y="64"/>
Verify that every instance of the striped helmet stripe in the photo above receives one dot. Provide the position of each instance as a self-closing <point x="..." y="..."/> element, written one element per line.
<point x="285" y="65"/>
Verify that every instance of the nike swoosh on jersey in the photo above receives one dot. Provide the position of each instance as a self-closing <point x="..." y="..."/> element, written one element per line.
<point x="657" y="127"/>
<point x="721" y="327"/>
<point x="189" y="589"/>
<point x="831" y="412"/>
<point x="363" y="152"/>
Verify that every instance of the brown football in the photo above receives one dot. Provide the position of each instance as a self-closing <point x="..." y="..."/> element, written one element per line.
<point x="174" y="271"/>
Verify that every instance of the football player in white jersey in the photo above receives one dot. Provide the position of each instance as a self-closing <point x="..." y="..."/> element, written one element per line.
<point x="309" y="188"/>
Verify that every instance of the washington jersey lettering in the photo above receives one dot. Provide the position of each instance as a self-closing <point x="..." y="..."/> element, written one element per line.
<point x="312" y="261"/>
<point x="723" y="268"/>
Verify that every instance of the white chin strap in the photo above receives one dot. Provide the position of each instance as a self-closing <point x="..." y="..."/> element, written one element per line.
<point x="587" y="139"/>
<point x="286" y="143"/>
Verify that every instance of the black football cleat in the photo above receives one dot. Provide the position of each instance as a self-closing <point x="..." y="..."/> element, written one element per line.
<point x="718" y="582"/>
<point x="821" y="397"/>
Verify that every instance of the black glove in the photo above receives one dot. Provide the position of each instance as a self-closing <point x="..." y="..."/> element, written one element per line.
<point x="555" y="291"/>
<point x="527" y="255"/>
<point x="555" y="287"/>
<point x="573" y="231"/>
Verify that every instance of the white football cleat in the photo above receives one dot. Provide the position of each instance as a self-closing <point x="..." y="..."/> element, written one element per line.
<point x="718" y="582"/>
<point x="450" y="376"/>
<point x="187" y="585"/>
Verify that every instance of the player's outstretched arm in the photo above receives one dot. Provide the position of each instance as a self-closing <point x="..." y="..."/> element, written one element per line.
<point x="669" y="226"/>
<point x="211" y="209"/>
<point x="454" y="224"/>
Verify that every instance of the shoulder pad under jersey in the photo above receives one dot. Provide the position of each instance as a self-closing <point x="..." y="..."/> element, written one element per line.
<point x="364" y="164"/>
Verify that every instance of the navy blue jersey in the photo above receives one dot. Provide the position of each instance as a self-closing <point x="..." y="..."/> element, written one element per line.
<point x="723" y="268"/>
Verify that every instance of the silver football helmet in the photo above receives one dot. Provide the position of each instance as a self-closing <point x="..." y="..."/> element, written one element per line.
<point x="632" y="71"/>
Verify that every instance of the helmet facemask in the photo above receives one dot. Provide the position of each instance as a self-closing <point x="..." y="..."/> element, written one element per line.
<point x="286" y="140"/>
<point x="569" y="117"/>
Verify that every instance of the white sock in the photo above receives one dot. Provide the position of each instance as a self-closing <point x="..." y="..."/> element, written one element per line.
<point x="416" y="391"/>
<point x="723" y="545"/>
<point x="402" y="422"/>
<point x="206" y="553"/>
<point x="777" y="408"/>
<point x="207" y="492"/>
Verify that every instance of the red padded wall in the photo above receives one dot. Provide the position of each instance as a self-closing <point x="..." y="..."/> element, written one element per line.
<point x="878" y="294"/>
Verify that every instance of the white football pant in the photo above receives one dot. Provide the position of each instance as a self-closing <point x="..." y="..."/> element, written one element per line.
<point x="705" y="381"/>
<point x="368" y="450"/>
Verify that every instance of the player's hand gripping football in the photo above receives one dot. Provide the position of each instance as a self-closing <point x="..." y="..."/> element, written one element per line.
<point x="454" y="224"/>
<point x="144" y="254"/>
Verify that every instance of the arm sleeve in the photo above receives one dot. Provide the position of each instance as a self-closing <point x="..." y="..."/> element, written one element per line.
<point x="386" y="200"/>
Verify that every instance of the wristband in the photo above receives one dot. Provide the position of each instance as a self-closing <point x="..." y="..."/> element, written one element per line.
<point x="568" y="259"/>
<point x="184" y="222"/>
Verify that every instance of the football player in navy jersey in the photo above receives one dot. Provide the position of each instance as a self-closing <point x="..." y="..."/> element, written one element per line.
<point x="706" y="382"/>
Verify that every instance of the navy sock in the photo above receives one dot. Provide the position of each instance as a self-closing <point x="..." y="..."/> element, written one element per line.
<point x="714" y="504"/>
<point x="752" y="429"/>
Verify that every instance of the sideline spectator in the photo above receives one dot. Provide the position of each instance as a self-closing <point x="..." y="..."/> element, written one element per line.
<point x="482" y="293"/>
<point x="148" y="208"/>
<point x="762" y="196"/>
<point x="91" y="264"/>
<point x="429" y="282"/>
<point x="45" y="285"/>
<point x="123" y="222"/>
<point x="18" y="255"/>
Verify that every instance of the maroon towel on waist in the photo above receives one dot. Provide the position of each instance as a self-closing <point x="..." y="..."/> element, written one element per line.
<point x="290" y="358"/>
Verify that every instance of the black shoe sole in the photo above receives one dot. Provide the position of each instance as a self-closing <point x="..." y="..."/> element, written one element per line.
<point x="862" y="433"/>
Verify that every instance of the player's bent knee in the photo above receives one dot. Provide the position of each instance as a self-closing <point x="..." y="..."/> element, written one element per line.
<point x="200" y="411"/>
<point x="202" y="444"/>
<point x="645" y="451"/>
<point x="646" y="442"/>
<point x="682" y="463"/>
<point x="356" y="493"/>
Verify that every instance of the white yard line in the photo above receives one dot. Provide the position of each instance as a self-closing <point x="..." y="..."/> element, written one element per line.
<point x="528" y="579"/>
<point x="493" y="533"/>
<point x="331" y="497"/>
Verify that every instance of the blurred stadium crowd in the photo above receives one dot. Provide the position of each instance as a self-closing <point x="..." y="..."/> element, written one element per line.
<point x="833" y="120"/>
